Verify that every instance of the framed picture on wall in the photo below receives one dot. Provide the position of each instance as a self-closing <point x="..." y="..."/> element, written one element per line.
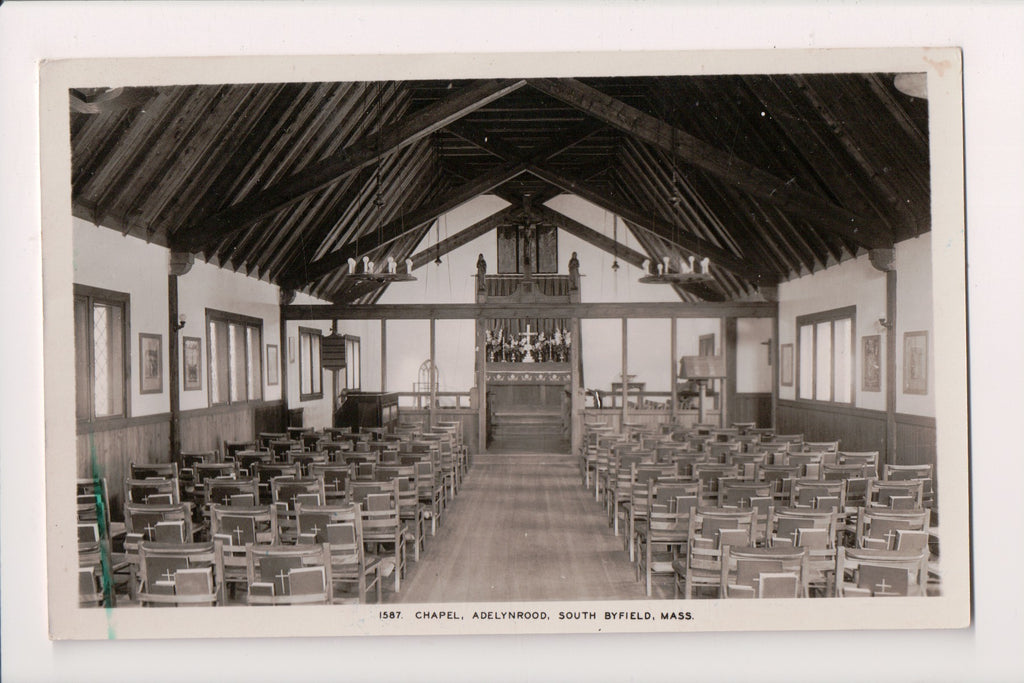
<point x="151" y="363"/>
<point x="786" y="365"/>
<point x="273" y="364"/>
<point x="915" y="362"/>
<point x="192" y="354"/>
<point x="871" y="371"/>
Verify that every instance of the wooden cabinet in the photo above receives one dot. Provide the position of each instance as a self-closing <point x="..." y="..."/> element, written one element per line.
<point x="368" y="409"/>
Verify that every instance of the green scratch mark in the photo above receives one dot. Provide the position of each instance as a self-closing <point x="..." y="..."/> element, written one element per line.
<point x="101" y="520"/>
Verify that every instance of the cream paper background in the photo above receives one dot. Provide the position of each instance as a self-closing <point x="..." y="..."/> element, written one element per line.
<point x="994" y="196"/>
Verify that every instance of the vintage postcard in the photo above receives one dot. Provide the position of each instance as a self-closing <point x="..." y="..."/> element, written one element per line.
<point x="505" y="343"/>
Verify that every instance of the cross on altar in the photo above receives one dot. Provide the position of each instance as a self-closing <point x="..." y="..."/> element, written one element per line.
<point x="528" y="358"/>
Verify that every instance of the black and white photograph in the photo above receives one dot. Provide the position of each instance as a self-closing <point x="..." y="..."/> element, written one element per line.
<point x="586" y="353"/>
<point x="534" y="319"/>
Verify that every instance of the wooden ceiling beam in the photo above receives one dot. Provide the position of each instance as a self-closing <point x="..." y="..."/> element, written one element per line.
<point x="721" y="164"/>
<point x="753" y="272"/>
<point x="589" y="235"/>
<point x="402" y="224"/>
<point x="211" y="229"/>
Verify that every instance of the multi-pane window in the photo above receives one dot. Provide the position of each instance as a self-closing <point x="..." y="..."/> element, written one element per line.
<point x="352" y="378"/>
<point x="234" y="344"/>
<point x="310" y="371"/>
<point x="825" y="355"/>
<point x="101" y="358"/>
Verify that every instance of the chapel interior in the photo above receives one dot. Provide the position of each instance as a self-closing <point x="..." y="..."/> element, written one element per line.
<point x="429" y="341"/>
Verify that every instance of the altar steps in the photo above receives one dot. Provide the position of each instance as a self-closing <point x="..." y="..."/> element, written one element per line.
<point x="528" y="429"/>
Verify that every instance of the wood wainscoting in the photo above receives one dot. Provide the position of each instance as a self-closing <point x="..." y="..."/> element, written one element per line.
<point x="756" y="408"/>
<point x="860" y="429"/>
<point x="114" y="444"/>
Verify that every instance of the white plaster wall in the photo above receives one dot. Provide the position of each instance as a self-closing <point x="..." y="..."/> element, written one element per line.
<point x="368" y="332"/>
<point x="105" y="258"/>
<point x="753" y="374"/>
<point x="206" y="286"/>
<point x="601" y="350"/>
<point x="857" y="283"/>
<point x="914" y="308"/>
<point x="316" y="413"/>
<point x="852" y="283"/>
<point x="649" y="352"/>
<point x="408" y="348"/>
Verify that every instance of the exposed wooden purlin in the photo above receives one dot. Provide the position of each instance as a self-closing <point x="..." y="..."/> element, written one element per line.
<point x="723" y="165"/>
<point x="750" y="271"/>
<point x="835" y="124"/>
<point x="818" y="152"/>
<point x="101" y="134"/>
<point x="409" y="221"/>
<point x="303" y="140"/>
<point x="739" y="309"/>
<point x="785" y="259"/>
<point x="355" y="156"/>
<point x="463" y="237"/>
<point x="188" y="154"/>
<point x="899" y="115"/>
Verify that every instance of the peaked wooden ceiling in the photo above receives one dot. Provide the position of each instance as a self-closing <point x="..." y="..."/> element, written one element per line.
<point x="769" y="176"/>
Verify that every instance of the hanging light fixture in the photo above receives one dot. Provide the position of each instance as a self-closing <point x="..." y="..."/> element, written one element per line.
<point x="437" y="241"/>
<point x="386" y="271"/>
<point x="615" y="238"/>
<point x="683" y="271"/>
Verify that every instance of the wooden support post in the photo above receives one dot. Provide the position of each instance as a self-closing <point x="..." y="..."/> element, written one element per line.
<point x="575" y="400"/>
<point x="173" y="365"/>
<point x="433" y="370"/>
<point x="673" y="369"/>
<point x="730" y="342"/>
<point x="777" y="358"/>
<point x="384" y="355"/>
<point x="625" y="378"/>
<point x="335" y="374"/>
<point x="890" y="368"/>
<point x="283" y="333"/>
<point x="481" y="386"/>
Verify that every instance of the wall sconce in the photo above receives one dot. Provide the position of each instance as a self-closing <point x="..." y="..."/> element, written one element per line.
<point x="181" y="321"/>
<point x="882" y="324"/>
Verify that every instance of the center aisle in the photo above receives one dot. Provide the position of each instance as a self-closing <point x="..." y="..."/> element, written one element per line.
<point x="523" y="528"/>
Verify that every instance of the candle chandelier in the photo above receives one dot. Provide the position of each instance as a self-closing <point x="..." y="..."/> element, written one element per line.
<point x="681" y="271"/>
<point x="387" y="270"/>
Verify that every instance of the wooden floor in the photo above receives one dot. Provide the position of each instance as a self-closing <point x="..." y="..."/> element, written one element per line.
<point x="523" y="528"/>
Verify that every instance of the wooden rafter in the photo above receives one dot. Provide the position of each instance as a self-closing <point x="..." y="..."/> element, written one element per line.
<point x="361" y="153"/>
<point x="401" y="225"/>
<point x="753" y="272"/>
<point x="721" y="164"/>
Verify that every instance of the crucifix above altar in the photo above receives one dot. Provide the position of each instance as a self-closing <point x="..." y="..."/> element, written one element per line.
<point x="527" y="345"/>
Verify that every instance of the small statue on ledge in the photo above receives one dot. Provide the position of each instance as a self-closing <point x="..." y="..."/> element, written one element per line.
<point x="574" y="272"/>
<point x="481" y="273"/>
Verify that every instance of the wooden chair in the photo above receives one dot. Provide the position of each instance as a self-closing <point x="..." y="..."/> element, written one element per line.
<point x="708" y="474"/>
<point x="747" y="462"/>
<point x="879" y="528"/>
<point x="237" y="527"/>
<point x="660" y="539"/>
<point x="93" y="509"/>
<point x="430" y="492"/>
<point x="263" y="439"/>
<point x="816" y="531"/>
<point x="265" y="472"/>
<point x="289" y="574"/>
<point x="153" y="470"/>
<point x="644" y="477"/>
<point x="720" y="451"/>
<point x="820" y="446"/>
<point x="710" y="531"/>
<point x="818" y="495"/>
<point x="187" y="574"/>
<point x="780" y="478"/>
<point x="621" y="484"/>
<point x="246" y="460"/>
<point x="924" y="473"/>
<point x="906" y="495"/>
<point x="685" y="462"/>
<point x="286" y="492"/>
<point x="794" y="439"/>
<point x="337" y="481"/>
<point x="880" y="573"/>
<point x="382" y="524"/>
<point x="341" y="528"/>
<point x="159" y="490"/>
<point x="305" y="459"/>
<point x="775" y="572"/>
<point x="847" y="471"/>
<point x="810" y="463"/>
<point x="859" y="458"/>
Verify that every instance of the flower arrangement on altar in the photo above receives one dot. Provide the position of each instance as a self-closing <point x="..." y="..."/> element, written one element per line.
<point x="528" y="347"/>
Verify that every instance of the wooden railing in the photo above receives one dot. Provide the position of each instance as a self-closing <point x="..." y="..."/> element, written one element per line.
<point x="445" y="399"/>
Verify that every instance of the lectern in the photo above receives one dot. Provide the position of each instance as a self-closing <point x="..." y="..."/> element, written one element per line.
<point x="700" y="369"/>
